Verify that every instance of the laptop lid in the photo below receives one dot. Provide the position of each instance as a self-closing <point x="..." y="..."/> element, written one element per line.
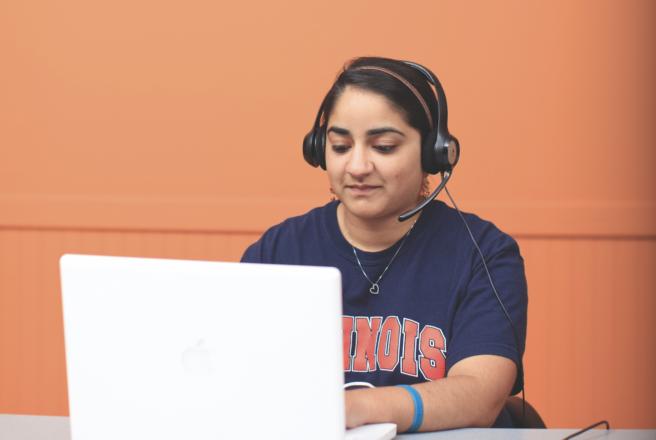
<point x="172" y="349"/>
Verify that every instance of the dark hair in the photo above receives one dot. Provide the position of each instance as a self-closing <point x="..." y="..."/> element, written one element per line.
<point x="397" y="93"/>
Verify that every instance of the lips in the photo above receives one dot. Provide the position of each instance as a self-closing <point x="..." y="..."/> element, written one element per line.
<point x="361" y="189"/>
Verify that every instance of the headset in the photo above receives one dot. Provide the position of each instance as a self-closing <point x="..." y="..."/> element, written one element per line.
<point x="440" y="152"/>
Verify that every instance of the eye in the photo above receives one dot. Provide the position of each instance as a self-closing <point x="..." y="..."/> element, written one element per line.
<point x="339" y="148"/>
<point x="385" y="149"/>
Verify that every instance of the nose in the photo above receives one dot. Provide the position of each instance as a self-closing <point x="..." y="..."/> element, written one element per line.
<point x="359" y="163"/>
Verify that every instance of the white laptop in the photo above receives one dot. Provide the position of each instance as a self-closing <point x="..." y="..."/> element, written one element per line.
<point x="173" y="349"/>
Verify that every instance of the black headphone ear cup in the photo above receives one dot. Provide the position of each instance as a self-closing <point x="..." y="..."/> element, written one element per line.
<point x="308" y="149"/>
<point x="320" y="146"/>
<point x="428" y="156"/>
<point x="439" y="154"/>
<point x="314" y="150"/>
<point x="453" y="152"/>
<point x="446" y="153"/>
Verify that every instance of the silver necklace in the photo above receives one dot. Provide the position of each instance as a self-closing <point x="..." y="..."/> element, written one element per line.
<point x="375" y="286"/>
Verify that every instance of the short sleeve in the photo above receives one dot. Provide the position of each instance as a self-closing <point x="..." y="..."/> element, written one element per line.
<point x="480" y="325"/>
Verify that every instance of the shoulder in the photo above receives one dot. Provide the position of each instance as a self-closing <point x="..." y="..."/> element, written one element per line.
<point x="281" y="242"/>
<point x="461" y="232"/>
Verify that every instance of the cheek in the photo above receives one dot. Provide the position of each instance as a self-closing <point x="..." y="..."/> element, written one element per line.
<point x="333" y="162"/>
<point x="409" y="181"/>
<point x="406" y="170"/>
<point x="333" y="171"/>
<point x="333" y="179"/>
<point x="406" y="176"/>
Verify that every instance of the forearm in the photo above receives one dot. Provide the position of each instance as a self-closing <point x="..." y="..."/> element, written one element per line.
<point x="471" y="396"/>
<point x="451" y="402"/>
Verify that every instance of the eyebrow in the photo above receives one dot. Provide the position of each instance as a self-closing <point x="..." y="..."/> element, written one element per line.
<point x="372" y="132"/>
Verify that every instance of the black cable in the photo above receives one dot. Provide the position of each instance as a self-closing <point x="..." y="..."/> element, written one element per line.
<point x="520" y="371"/>
<point x="602" y="422"/>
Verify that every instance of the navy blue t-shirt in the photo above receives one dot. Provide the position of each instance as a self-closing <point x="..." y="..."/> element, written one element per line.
<point x="435" y="306"/>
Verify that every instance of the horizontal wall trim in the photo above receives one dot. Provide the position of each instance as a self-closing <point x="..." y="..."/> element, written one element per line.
<point x="239" y="215"/>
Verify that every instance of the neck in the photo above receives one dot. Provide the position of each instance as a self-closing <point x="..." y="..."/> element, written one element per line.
<point x="372" y="235"/>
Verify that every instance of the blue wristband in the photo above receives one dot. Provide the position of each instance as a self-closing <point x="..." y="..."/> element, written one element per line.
<point x="418" y="418"/>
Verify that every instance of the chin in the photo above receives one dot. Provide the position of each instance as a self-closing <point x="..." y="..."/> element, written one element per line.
<point x="366" y="209"/>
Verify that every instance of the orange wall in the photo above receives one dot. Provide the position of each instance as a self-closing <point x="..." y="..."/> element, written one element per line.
<point x="162" y="129"/>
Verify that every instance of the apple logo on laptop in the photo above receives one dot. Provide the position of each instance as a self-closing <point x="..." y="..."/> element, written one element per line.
<point x="197" y="360"/>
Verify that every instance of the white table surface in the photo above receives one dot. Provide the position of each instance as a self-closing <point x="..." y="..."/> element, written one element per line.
<point x="26" y="427"/>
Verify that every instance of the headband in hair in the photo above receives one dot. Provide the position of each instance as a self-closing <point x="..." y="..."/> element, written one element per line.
<point x="407" y="84"/>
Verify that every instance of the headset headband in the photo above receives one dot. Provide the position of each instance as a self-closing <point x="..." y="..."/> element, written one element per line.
<point x="408" y="85"/>
<point x="439" y="149"/>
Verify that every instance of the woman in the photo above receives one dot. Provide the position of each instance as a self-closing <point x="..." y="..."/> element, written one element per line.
<point x="419" y="309"/>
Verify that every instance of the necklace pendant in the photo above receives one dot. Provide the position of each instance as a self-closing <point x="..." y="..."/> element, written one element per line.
<point x="374" y="289"/>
